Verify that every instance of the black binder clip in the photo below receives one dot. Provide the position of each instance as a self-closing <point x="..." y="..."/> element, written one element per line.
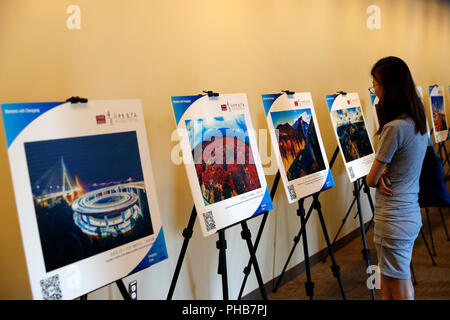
<point x="77" y="100"/>
<point x="211" y="94"/>
<point x="288" y="92"/>
<point x="342" y="92"/>
<point x="434" y="85"/>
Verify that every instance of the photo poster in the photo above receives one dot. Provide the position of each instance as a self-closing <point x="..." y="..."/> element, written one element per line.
<point x="350" y="129"/>
<point x="85" y="195"/>
<point x="297" y="143"/>
<point x="420" y="94"/>
<point x="374" y="101"/>
<point x="220" y="154"/>
<point x="438" y="114"/>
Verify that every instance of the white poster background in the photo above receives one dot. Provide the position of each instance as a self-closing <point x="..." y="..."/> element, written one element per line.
<point x="68" y="121"/>
<point x="237" y="208"/>
<point x="360" y="167"/>
<point x="311" y="183"/>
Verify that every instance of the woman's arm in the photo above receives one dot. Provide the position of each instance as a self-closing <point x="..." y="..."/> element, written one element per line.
<point x="377" y="178"/>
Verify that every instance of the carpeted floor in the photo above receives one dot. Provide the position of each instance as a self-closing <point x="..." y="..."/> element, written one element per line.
<point x="433" y="282"/>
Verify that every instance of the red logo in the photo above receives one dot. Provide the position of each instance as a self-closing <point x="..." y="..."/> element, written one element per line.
<point x="348" y="101"/>
<point x="224" y="107"/>
<point x="296" y="103"/>
<point x="101" y="119"/>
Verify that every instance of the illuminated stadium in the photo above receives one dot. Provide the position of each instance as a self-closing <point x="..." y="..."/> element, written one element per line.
<point x="108" y="211"/>
<point x="89" y="195"/>
<point x="103" y="212"/>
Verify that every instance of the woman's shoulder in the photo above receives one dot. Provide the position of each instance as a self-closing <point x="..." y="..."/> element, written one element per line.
<point x="401" y="122"/>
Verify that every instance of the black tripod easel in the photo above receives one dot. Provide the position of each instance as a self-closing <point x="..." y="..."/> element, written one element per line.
<point x="316" y="205"/>
<point x="443" y="161"/>
<point x="309" y="285"/>
<point x="441" y="148"/>
<point x="221" y="246"/>
<point x="120" y="284"/>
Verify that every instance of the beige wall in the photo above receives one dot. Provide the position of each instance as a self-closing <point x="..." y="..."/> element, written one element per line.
<point x="155" y="49"/>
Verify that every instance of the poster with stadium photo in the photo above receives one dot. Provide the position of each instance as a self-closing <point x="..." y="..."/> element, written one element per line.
<point x="297" y="144"/>
<point x="351" y="134"/>
<point x="85" y="194"/>
<point x="438" y="114"/>
<point x="221" y="159"/>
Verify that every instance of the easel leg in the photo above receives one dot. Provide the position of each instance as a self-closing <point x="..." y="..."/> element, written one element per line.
<point x="443" y="222"/>
<point x="428" y="248"/>
<point x="340" y="228"/>
<point x="440" y="152"/>
<point x="335" y="267"/>
<point x="365" y="251"/>
<point x="221" y="244"/>
<point x="123" y="290"/>
<point x="430" y="231"/>
<point x="369" y="197"/>
<point x="187" y="234"/>
<point x="296" y="241"/>
<point x="246" y="235"/>
<point x="309" y="285"/>
<point x="247" y="269"/>
<point x="446" y="154"/>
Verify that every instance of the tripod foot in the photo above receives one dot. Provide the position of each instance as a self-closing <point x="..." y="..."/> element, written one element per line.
<point x="309" y="286"/>
<point x="336" y="271"/>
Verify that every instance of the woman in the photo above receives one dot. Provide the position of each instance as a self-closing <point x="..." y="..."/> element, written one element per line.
<point x="395" y="173"/>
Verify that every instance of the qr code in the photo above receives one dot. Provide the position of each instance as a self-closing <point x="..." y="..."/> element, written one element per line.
<point x="51" y="289"/>
<point x="292" y="193"/>
<point x="350" y="171"/>
<point x="209" y="220"/>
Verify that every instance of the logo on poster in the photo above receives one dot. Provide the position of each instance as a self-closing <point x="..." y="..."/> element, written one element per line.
<point x="224" y="107"/>
<point x="118" y="117"/>
<point x="232" y="107"/>
<point x="101" y="119"/>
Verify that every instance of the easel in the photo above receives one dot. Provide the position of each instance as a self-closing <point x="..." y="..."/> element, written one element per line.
<point x="447" y="160"/>
<point x="120" y="285"/>
<point x="442" y="146"/>
<point x="221" y="246"/>
<point x="303" y="220"/>
<point x="316" y="204"/>
<point x="309" y="285"/>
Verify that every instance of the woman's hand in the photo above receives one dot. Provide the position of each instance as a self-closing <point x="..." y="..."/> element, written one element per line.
<point x="384" y="183"/>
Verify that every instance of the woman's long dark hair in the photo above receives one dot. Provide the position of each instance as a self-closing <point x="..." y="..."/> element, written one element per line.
<point x="400" y="95"/>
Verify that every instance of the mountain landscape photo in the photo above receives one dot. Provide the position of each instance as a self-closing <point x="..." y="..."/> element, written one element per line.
<point x="352" y="133"/>
<point x="298" y="143"/>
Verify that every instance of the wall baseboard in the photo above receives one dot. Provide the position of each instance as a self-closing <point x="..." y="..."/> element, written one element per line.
<point x="300" y="268"/>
